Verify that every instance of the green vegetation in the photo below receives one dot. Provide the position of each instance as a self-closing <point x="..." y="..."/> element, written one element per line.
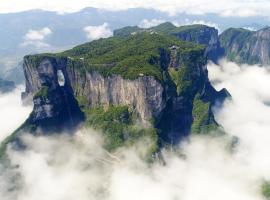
<point x="203" y="119"/>
<point x="237" y="43"/>
<point x="265" y="189"/>
<point x="142" y="54"/>
<point x="118" y="124"/>
<point x="239" y="35"/>
<point x="43" y="92"/>
<point x="126" y="31"/>
<point x="166" y="28"/>
<point x="131" y="57"/>
<point x="26" y="126"/>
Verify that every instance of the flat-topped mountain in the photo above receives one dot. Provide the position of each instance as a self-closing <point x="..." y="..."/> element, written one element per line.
<point x="129" y="87"/>
<point x="245" y="46"/>
<point x="199" y="34"/>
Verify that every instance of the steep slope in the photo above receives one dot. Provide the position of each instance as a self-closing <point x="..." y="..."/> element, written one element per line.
<point x="142" y="85"/>
<point x="199" y="34"/>
<point x="244" y="46"/>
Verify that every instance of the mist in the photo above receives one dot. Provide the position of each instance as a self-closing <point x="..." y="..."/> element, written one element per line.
<point x="247" y="116"/>
<point x="78" y="167"/>
<point x="12" y="112"/>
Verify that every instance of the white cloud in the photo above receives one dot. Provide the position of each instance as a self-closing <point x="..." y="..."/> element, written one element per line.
<point x="188" y="22"/>
<point x="38" y="34"/>
<point x="247" y="115"/>
<point x="12" y="113"/>
<point x="47" y="171"/>
<point x="150" y="23"/>
<point x="36" y="38"/>
<point x="204" y="168"/>
<point x="240" y="8"/>
<point x="97" y="32"/>
<point x="250" y="28"/>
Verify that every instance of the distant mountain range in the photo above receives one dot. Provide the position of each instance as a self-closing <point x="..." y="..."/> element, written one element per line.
<point x="67" y="30"/>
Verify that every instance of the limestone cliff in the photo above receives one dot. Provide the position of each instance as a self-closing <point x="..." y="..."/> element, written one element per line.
<point x="55" y="108"/>
<point x="142" y="85"/>
<point x="161" y="95"/>
<point x="245" y="46"/>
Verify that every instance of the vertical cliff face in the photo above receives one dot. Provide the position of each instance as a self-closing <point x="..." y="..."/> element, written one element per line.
<point x="244" y="46"/>
<point x="201" y="34"/>
<point x="55" y="107"/>
<point x="164" y="84"/>
<point x="143" y="95"/>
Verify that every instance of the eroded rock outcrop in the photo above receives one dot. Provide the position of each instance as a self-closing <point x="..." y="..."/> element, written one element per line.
<point x="55" y="107"/>
<point x="245" y="46"/>
<point x="161" y="82"/>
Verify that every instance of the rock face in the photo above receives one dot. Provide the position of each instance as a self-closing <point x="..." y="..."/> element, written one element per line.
<point x="244" y="46"/>
<point x="199" y="34"/>
<point x="6" y="86"/>
<point x="144" y="94"/>
<point x="55" y="108"/>
<point x="205" y="35"/>
<point x="164" y="100"/>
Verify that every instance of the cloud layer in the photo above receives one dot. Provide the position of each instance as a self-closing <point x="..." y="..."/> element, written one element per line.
<point x="240" y="8"/>
<point x="97" y="32"/>
<point x="12" y="113"/>
<point x="36" y="38"/>
<point x="77" y="167"/>
<point x="248" y="115"/>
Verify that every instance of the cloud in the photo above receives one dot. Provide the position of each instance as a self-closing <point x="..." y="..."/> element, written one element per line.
<point x="240" y="8"/>
<point x="250" y="28"/>
<point x="247" y="116"/>
<point x="188" y="22"/>
<point x="38" y="34"/>
<point x="97" y="32"/>
<point x="12" y="113"/>
<point x="78" y="167"/>
<point x="150" y="23"/>
<point x="36" y="38"/>
<point x="47" y="171"/>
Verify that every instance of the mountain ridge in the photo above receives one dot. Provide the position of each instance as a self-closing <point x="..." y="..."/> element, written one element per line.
<point x="154" y="80"/>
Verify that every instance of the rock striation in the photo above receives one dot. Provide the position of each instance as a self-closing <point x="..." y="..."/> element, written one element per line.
<point x="245" y="46"/>
<point x="166" y="103"/>
<point x="55" y="107"/>
<point x="144" y="85"/>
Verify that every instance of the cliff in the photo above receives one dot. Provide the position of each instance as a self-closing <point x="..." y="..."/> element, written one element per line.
<point x="244" y="46"/>
<point x="198" y="34"/>
<point x="142" y="85"/>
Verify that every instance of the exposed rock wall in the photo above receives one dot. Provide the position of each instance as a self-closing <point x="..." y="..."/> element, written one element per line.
<point x="244" y="46"/>
<point x="144" y="94"/>
<point x="55" y="107"/>
<point x="204" y="35"/>
<point x="157" y="102"/>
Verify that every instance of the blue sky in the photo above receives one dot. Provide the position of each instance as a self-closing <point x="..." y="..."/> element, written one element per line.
<point x="240" y="8"/>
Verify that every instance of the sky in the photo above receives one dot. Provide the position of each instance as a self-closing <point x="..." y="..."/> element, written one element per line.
<point x="240" y="8"/>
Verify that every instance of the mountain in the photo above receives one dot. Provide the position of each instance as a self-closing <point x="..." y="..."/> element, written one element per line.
<point x="142" y="85"/>
<point x="197" y="33"/>
<point x="245" y="46"/>
<point x="68" y="29"/>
